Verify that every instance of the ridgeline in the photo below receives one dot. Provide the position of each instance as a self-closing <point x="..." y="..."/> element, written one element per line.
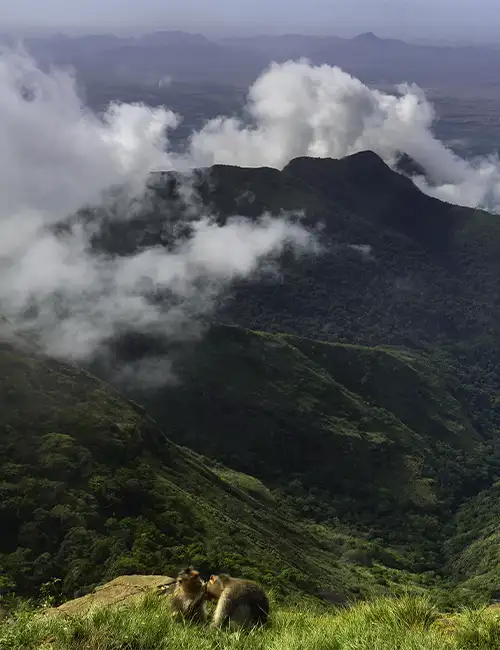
<point x="334" y="434"/>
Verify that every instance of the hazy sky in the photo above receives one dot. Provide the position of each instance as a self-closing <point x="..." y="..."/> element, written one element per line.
<point x="407" y="18"/>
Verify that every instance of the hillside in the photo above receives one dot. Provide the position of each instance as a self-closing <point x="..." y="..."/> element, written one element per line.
<point x="474" y="548"/>
<point x="399" y="270"/>
<point x="376" y="438"/>
<point x="91" y="488"/>
<point x="338" y="440"/>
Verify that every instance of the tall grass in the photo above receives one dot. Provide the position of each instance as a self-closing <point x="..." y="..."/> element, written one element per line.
<point x="407" y="623"/>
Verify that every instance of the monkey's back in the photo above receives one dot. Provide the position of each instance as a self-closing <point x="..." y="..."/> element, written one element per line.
<point x="247" y="603"/>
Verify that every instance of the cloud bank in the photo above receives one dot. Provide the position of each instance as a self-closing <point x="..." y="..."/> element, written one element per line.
<point x="58" y="158"/>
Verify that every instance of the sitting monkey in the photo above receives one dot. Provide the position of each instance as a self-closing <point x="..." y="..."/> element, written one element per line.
<point x="241" y="603"/>
<point x="188" y="599"/>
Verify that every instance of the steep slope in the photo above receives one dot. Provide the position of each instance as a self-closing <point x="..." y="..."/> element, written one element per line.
<point x="375" y="437"/>
<point x="399" y="268"/>
<point x="91" y="488"/>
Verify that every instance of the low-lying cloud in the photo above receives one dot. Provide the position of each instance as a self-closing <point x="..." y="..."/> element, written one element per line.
<point x="58" y="158"/>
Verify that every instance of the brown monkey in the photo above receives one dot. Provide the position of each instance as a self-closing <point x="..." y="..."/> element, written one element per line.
<point x="188" y="599"/>
<point x="241" y="603"/>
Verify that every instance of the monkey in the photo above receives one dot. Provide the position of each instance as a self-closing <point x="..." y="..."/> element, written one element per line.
<point x="241" y="603"/>
<point x="188" y="599"/>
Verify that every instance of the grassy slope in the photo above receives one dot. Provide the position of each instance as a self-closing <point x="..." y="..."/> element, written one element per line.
<point x="376" y="437"/>
<point x="91" y="488"/>
<point x="402" y="624"/>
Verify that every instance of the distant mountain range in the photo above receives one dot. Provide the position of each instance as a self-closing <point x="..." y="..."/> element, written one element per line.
<point x="238" y="61"/>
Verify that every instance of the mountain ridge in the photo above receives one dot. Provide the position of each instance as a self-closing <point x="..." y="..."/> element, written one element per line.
<point x="353" y="422"/>
<point x="195" y="57"/>
<point x="398" y="269"/>
<point x="334" y="415"/>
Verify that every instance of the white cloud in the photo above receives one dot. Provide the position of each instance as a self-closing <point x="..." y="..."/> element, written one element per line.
<point x="57" y="158"/>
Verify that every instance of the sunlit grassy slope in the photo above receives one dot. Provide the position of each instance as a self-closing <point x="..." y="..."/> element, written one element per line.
<point x="403" y="624"/>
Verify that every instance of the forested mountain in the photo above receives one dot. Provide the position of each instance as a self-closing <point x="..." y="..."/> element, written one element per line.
<point x="375" y="437"/>
<point x="92" y="488"/>
<point x="400" y="270"/>
<point x="339" y="425"/>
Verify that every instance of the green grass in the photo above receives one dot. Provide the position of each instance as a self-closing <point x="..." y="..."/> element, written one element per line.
<point x="246" y="483"/>
<point x="406" y="623"/>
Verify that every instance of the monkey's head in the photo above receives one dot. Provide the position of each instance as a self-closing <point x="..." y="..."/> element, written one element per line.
<point x="190" y="580"/>
<point x="216" y="585"/>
